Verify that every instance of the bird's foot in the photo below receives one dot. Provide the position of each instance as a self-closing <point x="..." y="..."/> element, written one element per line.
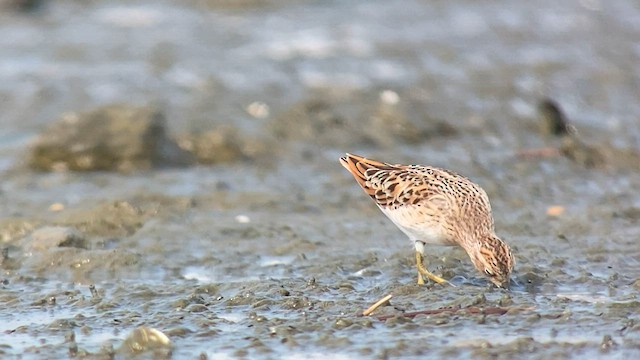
<point x="422" y="270"/>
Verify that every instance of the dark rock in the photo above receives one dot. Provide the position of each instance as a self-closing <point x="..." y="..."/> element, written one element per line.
<point x="551" y="119"/>
<point x="114" y="137"/>
<point x="554" y="124"/>
<point x="55" y="236"/>
<point x="223" y="144"/>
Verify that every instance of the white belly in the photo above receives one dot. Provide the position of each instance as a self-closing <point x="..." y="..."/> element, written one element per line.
<point x="417" y="226"/>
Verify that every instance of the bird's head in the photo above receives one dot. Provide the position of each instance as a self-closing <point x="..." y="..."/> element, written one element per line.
<point x="493" y="258"/>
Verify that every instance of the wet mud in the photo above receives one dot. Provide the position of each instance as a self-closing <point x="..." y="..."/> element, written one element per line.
<point x="256" y="243"/>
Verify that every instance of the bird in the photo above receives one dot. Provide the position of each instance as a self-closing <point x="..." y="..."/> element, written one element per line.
<point x="435" y="206"/>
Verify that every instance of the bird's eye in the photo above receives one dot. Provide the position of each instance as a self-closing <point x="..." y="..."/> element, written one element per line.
<point x="488" y="272"/>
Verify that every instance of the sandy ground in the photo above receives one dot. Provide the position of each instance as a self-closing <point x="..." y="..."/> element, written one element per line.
<point x="275" y="252"/>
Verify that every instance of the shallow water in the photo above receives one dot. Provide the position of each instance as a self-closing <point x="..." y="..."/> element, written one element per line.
<point x="277" y="258"/>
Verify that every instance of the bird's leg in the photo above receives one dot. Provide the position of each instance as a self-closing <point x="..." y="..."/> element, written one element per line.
<point x="423" y="271"/>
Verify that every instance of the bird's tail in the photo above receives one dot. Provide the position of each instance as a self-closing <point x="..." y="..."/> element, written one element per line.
<point x="358" y="166"/>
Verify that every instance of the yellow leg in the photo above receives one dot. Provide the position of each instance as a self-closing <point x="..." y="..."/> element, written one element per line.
<point x="423" y="271"/>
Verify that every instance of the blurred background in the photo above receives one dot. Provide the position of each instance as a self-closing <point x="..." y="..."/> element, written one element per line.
<point x="244" y="63"/>
<point x="183" y="157"/>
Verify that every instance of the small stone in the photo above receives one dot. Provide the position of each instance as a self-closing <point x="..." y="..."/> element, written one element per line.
<point x="389" y="97"/>
<point x="258" y="110"/>
<point x="555" y="210"/>
<point x="243" y="219"/>
<point x="94" y="292"/>
<point x="346" y="286"/>
<point x="607" y="343"/>
<point x="70" y="337"/>
<point x="283" y="292"/>
<point x="73" y="349"/>
<point x="56" y="207"/>
<point x="196" y="308"/>
<point x="506" y="300"/>
<point x="479" y="300"/>
<point x="146" y="339"/>
<point x="342" y="323"/>
<point x="107" y="349"/>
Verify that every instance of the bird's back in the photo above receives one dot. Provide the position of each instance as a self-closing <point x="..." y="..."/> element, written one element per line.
<point x="427" y="203"/>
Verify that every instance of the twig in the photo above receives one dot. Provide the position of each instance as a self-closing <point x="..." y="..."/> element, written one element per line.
<point x="544" y="152"/>
<point x="379" y="303"/>
<point x="467" y="310"/>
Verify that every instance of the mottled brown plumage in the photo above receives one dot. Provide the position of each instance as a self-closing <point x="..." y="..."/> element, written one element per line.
<point x="436" y="206"/>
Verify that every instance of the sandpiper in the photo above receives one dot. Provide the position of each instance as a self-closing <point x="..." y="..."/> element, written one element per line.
<point x="436" y="206"/>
